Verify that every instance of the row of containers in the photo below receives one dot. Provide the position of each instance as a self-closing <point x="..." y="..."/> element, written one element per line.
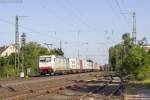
<point x="51" y="64"/>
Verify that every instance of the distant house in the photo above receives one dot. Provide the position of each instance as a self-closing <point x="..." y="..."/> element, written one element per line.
<point x="147" y="48"/>
<point x="7" y="50"/>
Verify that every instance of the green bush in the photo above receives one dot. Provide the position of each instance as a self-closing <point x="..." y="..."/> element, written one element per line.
<point x="7" y="71"/>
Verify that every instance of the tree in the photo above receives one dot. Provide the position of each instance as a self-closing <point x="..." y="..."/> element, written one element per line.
<point x="143" y="41"/>
<point x="136" y="63"/>
<point x="31" y="52"/>
<point x="130" y="59"/>
<point x="115" y="57"/>
<point x="126" y="38"/>
<point x="57" y="52"/>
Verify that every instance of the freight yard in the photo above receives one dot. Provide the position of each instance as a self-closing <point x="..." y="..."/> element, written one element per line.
<point x="74" y="50"/>
<point x="83" y="86"/>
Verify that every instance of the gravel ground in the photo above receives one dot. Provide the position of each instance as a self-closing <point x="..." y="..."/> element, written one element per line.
<point x="80" y="86"/>
<point x="16" y="87"/>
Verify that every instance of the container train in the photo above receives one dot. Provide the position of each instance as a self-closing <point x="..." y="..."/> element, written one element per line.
<point x="51" y="64"/>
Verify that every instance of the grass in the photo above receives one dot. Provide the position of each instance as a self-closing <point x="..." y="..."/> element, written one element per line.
<point x="145" y="81"/>
<point x="134" y="87"/>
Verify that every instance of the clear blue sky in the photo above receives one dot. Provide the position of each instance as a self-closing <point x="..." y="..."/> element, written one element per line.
<point x="98" y="22"/>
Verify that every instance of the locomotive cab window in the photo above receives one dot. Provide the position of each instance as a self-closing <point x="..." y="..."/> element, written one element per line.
<point x="48" y="59"/>
<point x="42" y="59"/>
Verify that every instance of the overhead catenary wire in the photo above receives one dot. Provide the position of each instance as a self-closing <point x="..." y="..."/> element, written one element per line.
<point x="120" y="10"/>
<point x="117" y="3"/>
<point x="115" y="24"/>
<point x="75" y="12"/>
<point x="134" y="21"/>
<point x="28" y="29"/>
<point x="32" y="31"/>
<point x="75" y="15"/>
<point x="81" y="15"/>
<point x="124" y="5"/>
<point x="41" y="33"/>
<point x="48" y="10"/>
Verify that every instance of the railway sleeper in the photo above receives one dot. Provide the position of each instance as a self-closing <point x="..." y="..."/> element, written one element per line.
<point x="117" y="92"/>
<point x="92" y="92"/>
<point x="11" y="89"/>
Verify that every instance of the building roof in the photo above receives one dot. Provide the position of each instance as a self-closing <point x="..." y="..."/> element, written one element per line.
<point x="3" y="48"/>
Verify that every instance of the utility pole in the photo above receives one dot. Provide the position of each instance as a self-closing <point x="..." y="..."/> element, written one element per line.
<point x="78" y="54"/>
<point x="60" y="44"/>
<point x="17" y="46"/>
<point x="134" y="28"/>
<point x="23" y="42"/>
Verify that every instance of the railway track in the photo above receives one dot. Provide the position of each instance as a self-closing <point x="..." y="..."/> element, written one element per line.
<point x="108" y="91"/>
<point x="38" y="87"/>
<point x="69" y="87"/>
<point x="105" y="89"/>
<point x="39" y="91"/>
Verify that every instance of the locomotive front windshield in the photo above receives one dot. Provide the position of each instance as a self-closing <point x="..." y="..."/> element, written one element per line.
<point x="45" y="59"/>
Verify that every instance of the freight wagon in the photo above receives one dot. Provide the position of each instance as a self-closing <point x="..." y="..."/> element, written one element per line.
<point x="75" y="65"/>
<point x="97" y="67"/>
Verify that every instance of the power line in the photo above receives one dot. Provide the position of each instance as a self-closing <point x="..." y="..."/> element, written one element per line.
<point x="78" y="13"/>
<point x="117" y="3"/>
<point x="79" y="16"/>
<point x="120" y="10"/>
<point x="75" y="15"/>
<point x="71" y="13"/>
<point x="112" y="8"/>
<point x="47" y="9"/>
<point x="28" y="29"/>
<point x="34" y="31"/>
<point x="123" y="3"/>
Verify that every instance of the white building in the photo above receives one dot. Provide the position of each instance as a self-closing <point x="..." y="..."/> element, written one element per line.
<point x="147" y="48"/>
<point x="7" y="50"/>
